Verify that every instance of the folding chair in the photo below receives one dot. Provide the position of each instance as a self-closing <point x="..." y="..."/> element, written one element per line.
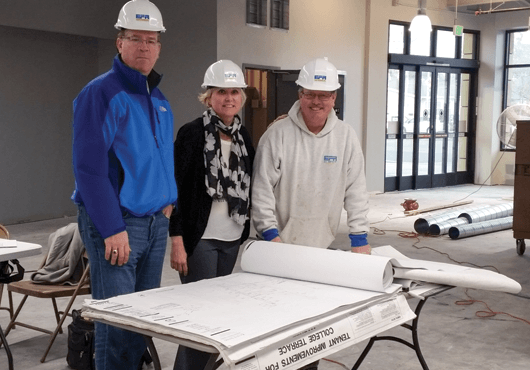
<point x="49" y="291"/>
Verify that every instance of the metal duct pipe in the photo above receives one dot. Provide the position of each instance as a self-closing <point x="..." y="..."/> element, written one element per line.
<point x="490" y="213"/>
<point x="422" y="225"/>
<point x="479" y="228"/>
<point x="442" y="228"/>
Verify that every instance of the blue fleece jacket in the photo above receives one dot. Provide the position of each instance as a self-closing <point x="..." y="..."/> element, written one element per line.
<point x="122" y="148"/>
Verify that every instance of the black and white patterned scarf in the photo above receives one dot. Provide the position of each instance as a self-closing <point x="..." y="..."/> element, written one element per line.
<point x="232" y="183"/>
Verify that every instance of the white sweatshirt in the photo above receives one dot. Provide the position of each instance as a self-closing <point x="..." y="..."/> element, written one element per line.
<point x="302" y="181"/>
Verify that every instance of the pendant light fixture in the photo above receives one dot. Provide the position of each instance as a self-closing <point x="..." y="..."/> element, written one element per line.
<point x="421" y="22"/>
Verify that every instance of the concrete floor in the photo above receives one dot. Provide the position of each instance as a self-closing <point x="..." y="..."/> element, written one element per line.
<point x="451" y="335"/>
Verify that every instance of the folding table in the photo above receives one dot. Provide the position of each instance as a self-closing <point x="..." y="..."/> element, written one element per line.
<point x="21" y="250"/>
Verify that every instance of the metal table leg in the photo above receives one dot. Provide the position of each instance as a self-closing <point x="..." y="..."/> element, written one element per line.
<point x="153" y="352"/>
<point x="415" y="345"/>
<point x="6" y="346"/>
<point x="211" y="365"/>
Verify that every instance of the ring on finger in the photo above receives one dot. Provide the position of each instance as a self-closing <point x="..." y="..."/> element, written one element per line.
<point x="115" y="251"/>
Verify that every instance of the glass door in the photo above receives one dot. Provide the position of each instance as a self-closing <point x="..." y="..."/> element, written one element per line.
<point x="427" y="123"/>
<point x="450" y="136"/>
<point x="431" y="92"/>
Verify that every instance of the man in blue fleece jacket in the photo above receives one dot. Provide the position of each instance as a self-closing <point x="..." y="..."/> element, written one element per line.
<point x="124" y="171"/>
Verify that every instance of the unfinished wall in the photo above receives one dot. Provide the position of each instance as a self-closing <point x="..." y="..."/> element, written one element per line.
<point x="333" y="29"/>
<point x="53" y="49"/>
<point x="43" y="72"/>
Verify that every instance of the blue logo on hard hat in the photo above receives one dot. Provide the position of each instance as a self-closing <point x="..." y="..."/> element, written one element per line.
<point x="142" y="17"/>
<point x="320" y="78"/>
<point x="230" y="75"/>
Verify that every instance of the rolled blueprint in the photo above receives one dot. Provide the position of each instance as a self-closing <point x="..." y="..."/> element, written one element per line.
<point x="446" y="273"/>
<point x="325" y="266"/>
<point x="369" y="272"/>
<point x="475" y="279"/>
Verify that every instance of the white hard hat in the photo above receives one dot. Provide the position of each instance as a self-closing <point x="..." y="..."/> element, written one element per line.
<point x="319" y="74"/>
<point x="140" y="15"/>
<point x="224" y="73"/>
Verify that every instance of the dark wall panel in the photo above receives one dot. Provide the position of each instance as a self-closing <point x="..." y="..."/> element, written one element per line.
<point x="51" y="50"/>
<point x="43" y="72"/>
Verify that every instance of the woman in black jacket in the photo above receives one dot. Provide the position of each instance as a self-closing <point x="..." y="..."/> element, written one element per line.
<point x="213" y="168"/>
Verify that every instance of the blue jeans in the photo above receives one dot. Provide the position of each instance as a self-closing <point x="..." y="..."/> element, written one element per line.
<point x="211" y="258"/>
<point x="116" y="348"/>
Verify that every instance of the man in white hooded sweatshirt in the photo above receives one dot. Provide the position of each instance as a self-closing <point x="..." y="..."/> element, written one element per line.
<point x="308" y="166"/>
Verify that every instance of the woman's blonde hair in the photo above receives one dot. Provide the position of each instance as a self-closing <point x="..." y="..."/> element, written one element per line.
<point x="204" y="97"/>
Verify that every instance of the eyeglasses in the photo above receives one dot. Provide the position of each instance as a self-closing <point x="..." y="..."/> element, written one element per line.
<point x="138" y="41"/>
<point x="321" y="97"/>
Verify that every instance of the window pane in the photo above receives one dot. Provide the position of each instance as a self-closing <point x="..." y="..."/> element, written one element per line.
<point x="420" y="43"/>
<point x="280" y="14"/>
<point x="468" y="40"/>
<point x="462" y="154"/>
<point x="410" y="96"/>
<point x="508" y="137"/>
<point x="423" y="157"/>
<point x="391" y="158"/>
<point x="464" y="102"/>
<point x="425" y="107"/>
<point x="517" y="79"/>
<point x="396" y="44"/>
<point x="257" y="12"/>
<point x="406" y="166"/>
<point x="450" y="151"/>
<point x="519" y="51"/>
<point x="441" y="102"/>
<point x="451" y="123"/>
<point x="392" y="102"/>
<point x="445" y="44"/>
<point x="438" y="156"/>
<point x="518" y="87"/>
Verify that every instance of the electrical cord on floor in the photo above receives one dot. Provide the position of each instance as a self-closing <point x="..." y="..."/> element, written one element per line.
<point x="336" y="362"/>
<point x="387" y="218"/>
<point x="486" y="314"/>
